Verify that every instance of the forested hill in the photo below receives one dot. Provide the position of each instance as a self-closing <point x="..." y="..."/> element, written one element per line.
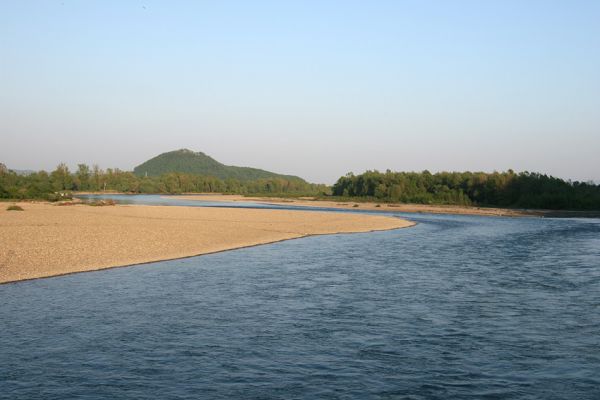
<point x="197" y="163"/>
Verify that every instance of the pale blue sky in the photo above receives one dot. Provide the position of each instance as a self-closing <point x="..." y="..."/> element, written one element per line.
<point x="314" y="89"/>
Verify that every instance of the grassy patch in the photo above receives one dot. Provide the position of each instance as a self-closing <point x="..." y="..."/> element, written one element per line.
<point x="14" y="207"/>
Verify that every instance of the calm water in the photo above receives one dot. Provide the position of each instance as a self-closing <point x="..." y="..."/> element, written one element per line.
<point x="456" y="307"/>
<point x="182" y="200"/>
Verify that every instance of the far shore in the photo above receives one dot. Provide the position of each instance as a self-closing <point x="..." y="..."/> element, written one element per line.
<point x="48" y="240"/>
<point x="369" y="206"/>
<point x="379" y="206"/>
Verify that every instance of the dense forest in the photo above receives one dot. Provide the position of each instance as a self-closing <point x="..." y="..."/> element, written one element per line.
<point x="499" y="189"/>
<point x="43" y="185"/>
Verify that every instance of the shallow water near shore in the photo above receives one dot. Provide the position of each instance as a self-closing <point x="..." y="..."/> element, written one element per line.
<point x="189" y="201"/>
<point x="455" y="307"/>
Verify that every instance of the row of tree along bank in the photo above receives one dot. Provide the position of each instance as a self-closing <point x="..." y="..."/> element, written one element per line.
<point x="44" y="185"/>
<point x="497" y="189"/>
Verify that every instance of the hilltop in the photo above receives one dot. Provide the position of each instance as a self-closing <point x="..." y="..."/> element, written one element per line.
<point x="198" y="163"/>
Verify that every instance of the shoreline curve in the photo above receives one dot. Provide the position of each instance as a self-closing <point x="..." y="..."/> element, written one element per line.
<point x="47" y="241"/>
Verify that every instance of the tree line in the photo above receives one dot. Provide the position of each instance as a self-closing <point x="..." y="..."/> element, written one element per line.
<point x="49" y="186"/>
<point x="499" y="189"/>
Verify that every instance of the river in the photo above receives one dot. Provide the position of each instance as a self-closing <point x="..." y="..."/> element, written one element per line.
<point x="457" y="307"/>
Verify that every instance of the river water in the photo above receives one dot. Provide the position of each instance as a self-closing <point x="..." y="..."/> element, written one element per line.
<point x="457" y="307"/>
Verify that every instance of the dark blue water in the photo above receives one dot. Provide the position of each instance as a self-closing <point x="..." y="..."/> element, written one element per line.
<point x="456" y="307"/>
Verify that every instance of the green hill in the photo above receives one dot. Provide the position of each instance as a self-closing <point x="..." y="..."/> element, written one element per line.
<point x="189" y="162"/>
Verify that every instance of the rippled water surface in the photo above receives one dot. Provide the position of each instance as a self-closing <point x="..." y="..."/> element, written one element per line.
<point x="456" y="307"/>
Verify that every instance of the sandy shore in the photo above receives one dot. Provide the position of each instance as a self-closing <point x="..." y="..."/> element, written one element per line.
<point x="47" y="240"/>
<point x="410" y="208"/>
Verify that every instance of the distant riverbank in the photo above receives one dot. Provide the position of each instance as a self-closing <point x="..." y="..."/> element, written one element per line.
<point x="47" y="240"/>
<point x="375" y="206"/>
<point x="371" y="206"/>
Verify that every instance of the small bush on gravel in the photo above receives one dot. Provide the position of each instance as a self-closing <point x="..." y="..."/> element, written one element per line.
<point x="15" y="207"/>
<point x="101" y="203"/>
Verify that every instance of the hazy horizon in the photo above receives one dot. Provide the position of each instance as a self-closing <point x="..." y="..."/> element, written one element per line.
<point x="314" y="89"/>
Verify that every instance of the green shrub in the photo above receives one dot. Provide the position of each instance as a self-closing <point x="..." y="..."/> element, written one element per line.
<point x="101" y="203"/>
<point x="14" y="207"/>
<point x="52" y="197"/>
